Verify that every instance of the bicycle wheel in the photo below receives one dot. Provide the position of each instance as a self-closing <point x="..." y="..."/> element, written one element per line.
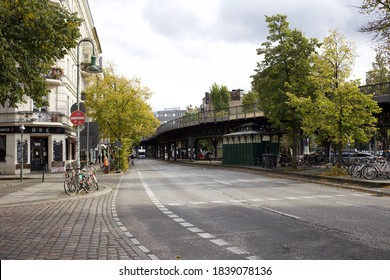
<point x="70" y="186"/>
<point x="357" y="171"/>
<point x="351" y="169"/>
<point x="370" y="173"/>
<point x="89" y="185"/>
<point x="94" y="179"/>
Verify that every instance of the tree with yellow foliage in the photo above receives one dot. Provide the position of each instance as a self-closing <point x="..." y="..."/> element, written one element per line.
<point x="119" y="106"/>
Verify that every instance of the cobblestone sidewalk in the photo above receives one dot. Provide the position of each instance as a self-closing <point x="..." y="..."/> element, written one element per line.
<point x="77" y="228"/>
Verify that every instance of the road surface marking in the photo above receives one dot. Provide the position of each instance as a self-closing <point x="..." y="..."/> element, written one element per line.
<point x="273" y="198"/>
<point x="186" y="224"/>
<point x="237" y="250"/>
<point x="189" y="226"/>
<point x="198" y="202"/>
<point x="222" y="182"/>
<point x="206" y="235"/>
<point x="195" y="229"/>
<point x="253" y="258"/>
<point x="123" y="228"/>
<point x="173" y="216"/>
<point x="220" y="242"/>
<point x="280" y="213"/>
<point x="175" y="204"/>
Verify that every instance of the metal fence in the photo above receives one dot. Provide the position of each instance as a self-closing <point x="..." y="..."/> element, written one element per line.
<point x="376" y="89"/>
<point x="212" y="116"/>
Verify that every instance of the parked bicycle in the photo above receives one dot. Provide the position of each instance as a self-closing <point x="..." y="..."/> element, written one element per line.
<point x="312" y="160"/>
<point x="355" y="169"/>
<point x="380" y="169"/>
<point x="85" y="181"/>
<point x="370" y="169"/>
<point x="92" y="175"/>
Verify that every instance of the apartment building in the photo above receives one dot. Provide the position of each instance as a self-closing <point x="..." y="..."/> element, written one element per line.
<point x="169" y="114"/>
<point x="48" y="140"/>
<point x="235" y="100"/>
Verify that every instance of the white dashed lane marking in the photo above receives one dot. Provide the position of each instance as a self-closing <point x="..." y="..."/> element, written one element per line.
<point x="189" y="226"/>
<point x="223" y="182"/>
<point x="212" y="238"/>
<point x="237" y="250"/>
<point x="319" y="196"/>
<point x="124" y="229"/>
<point x="220" y="242"/>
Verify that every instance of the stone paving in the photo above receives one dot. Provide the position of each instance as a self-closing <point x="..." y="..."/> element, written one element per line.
<point x="78" y="228"/>
<point x="39" y="221"/>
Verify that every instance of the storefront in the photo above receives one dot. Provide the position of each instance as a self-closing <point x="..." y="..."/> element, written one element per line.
<point x="44" y="148"/>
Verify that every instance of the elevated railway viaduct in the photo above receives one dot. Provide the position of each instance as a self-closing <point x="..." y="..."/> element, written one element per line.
<point x="184" y="133"/>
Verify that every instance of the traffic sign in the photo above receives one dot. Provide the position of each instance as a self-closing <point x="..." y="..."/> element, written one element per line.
<point x="77" y="118"/>
<point x="75" y="106"/>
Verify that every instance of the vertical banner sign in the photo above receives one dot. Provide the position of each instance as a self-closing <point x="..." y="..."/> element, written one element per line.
<point x="57" y="148"/>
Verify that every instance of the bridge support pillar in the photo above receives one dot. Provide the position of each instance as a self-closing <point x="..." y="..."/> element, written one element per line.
<point x="190" y="145"/>
<point x="155" y="151"/>
<point x="162" y="152"/>
<point x="215" y="141"/>
<point x="168" y="149"/>
<point x="175" y="144"/>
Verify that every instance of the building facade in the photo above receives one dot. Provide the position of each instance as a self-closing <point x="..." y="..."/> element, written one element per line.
<point x="48" y="140"/>
<point x="169" y="114"/>
<point x="235" y="100"/>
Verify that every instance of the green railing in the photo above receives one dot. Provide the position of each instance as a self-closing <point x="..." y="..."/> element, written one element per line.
<point x="243" y="112"/>
<point x="376" y="89"/>
<point x="212" y="116"/>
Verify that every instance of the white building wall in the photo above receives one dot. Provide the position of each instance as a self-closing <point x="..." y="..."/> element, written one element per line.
<point x="50" y="129"/>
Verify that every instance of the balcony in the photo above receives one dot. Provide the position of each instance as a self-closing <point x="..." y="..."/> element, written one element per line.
<point x="54" y="75"/>
<point x="35" y="117"/>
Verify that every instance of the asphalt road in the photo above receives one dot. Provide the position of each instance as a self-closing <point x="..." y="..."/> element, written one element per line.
<point x="177" y="211"/>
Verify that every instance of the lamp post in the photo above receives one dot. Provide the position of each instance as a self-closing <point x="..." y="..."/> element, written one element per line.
<point x="22" y="128"/>
<point x="91" y="68"/>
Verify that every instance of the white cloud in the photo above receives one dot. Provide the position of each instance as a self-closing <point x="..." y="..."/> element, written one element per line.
<point x="179" y="48"/>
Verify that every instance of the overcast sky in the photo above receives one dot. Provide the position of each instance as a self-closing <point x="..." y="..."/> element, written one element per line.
<point x="178" y="48"/>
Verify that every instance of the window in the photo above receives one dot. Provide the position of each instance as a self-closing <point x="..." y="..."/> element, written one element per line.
<point x="3" y="148"/>
<point x="40" y="109"/>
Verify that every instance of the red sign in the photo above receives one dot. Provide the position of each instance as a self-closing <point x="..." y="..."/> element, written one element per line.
<point x="77" y="118"/>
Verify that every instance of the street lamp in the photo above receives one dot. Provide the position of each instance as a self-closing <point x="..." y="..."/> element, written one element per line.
<point x="91" y="68"/>
<point x="21" y="128"/>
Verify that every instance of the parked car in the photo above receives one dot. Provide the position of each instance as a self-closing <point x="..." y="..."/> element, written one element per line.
<point x="351" y="157"/>
<point x="359" y="156"/>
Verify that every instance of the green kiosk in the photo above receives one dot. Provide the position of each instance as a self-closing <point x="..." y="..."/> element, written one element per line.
<point x="251" y="146"/>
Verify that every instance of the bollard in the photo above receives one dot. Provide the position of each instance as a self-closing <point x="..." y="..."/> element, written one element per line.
<point x="43" y="173"/>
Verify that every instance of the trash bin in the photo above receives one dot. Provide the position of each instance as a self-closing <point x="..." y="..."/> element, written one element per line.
<point x="269" y="161"/>
<point x="265" y="161"/>
<point x="273" y="160"/>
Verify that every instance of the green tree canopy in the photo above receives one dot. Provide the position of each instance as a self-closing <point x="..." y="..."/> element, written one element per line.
<point x="33" y="34"/>
<point x="380" y="72"/>
<point x="337" y="111"/>
<point x="285" y="68"/>
<point x="249" y="100"/>
<point x="119" y="106"/>
<point x="220" y="97"/>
